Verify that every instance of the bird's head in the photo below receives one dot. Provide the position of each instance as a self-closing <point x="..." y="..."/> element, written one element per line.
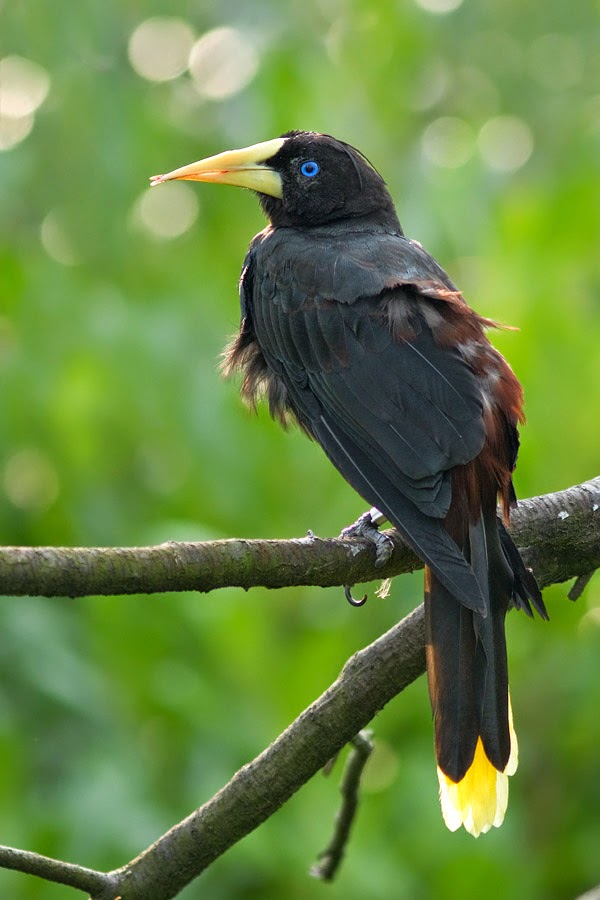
<point x="302" y="179"/>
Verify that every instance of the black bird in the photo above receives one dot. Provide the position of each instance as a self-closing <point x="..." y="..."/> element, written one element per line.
<point x="357" y="333"/>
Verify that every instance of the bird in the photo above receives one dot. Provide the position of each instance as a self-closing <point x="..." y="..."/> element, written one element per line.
<point x="357" y="334"/>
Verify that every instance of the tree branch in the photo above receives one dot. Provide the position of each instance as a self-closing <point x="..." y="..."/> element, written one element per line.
<point x="56" y="870"/>
<point x="559" y="533"/>
<point x="367" y="682"/>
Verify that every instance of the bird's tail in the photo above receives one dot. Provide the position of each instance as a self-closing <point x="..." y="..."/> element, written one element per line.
<point x="475" y="741"/>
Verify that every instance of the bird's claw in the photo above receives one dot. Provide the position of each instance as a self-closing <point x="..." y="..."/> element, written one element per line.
<point x="364" y="527"/>
<point x="352" y="600"/>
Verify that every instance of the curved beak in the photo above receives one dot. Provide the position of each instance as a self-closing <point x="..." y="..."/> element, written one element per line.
<point x="243" y="168"/>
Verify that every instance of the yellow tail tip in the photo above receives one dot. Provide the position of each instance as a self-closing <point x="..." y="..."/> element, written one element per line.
<point x="479" y="801"/>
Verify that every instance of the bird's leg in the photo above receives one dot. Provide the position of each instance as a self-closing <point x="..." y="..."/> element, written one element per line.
<point x="367" y="527"/>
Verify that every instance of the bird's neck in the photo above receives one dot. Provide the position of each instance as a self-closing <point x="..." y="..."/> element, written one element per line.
<point x="358" y="225"/>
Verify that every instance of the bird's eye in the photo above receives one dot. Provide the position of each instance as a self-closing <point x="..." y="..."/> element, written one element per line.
<point x="310" y="168"/>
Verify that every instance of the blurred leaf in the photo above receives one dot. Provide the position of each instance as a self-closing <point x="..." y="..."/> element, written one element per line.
<point x="121" y="715"/>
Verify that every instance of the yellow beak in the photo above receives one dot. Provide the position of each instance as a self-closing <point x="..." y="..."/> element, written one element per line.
<point x="242" y="168"/>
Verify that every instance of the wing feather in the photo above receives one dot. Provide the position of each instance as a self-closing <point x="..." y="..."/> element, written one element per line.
<point x="394" y="413"/>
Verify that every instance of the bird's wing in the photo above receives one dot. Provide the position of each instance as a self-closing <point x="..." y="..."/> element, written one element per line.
<point x="394" y="416"/>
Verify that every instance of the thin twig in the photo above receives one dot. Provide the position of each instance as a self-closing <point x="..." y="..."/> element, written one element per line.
<point x="579" y="585"/>
<point x="330" y="859"/>
<point x="88" y="880"/>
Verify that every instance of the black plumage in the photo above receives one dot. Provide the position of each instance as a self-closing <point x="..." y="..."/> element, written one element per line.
<point x="357" y="333"/>
<point x="394" y="416"/>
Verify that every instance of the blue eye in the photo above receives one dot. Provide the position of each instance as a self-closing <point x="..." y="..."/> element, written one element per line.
<point x="310" y="168"/>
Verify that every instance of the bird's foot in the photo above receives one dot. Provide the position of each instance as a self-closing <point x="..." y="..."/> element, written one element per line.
<point x="352" y="600"/>
<point x="366" y="527"/>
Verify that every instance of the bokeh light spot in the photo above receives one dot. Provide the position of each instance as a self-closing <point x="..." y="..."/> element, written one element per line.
<point x="222" y="62"/>
<point x="24" y="86"/>
<point x="590" y="620"/>
<point x="448" y="142"/>
<point x="505" y="143"/>
<point x="159" y="48"/>
<point x="13" y="131"/>
<point x="430" y="86"/>
<point x="166" y="213"/>
<point x="439" y="7"/>
<point x="56" y="241"/>
<point x="30" y="480"/>
<point x="381" y="769"/>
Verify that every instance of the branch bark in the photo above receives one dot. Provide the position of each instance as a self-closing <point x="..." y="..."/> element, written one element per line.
<point x="559" y="533"/>
<point x="55" y="870"/>
<point x="369" y="680"/>
<point x="560" y="537"/>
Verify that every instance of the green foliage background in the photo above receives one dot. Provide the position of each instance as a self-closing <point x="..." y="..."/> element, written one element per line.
<point x="119" y="716"/>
